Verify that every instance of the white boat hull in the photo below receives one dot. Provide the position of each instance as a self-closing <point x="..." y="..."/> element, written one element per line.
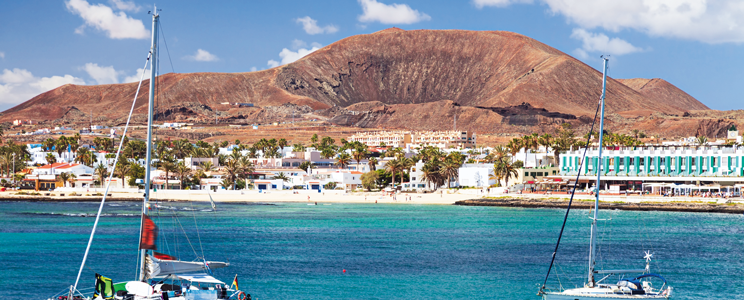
<point x="562" y="296"/>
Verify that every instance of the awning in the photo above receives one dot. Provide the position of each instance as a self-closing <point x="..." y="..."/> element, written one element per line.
<point x="204" y="278"/>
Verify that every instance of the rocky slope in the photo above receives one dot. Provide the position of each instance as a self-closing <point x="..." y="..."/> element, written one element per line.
<point x="494" y="81"/>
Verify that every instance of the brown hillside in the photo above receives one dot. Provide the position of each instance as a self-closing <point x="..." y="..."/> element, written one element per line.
<point x="660" y="90"/>
<point x="495" y="81"/>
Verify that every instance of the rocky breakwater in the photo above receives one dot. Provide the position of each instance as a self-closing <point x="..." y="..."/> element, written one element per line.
<point x="680" y="206"/>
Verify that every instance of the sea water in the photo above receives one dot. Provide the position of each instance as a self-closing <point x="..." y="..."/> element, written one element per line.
<point x="388" y="251"/>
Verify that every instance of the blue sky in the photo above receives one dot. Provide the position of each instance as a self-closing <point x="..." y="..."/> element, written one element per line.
<point x="694" y="44"/>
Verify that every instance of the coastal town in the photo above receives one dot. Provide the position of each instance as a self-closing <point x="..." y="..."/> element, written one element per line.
<point x="398" y="163"/>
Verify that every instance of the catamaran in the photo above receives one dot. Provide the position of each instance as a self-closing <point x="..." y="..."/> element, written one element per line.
<point x="159" y="276"/>
<point x="633" y="287"/>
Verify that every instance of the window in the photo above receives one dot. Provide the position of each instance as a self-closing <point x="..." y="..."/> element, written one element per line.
<point x="413" y="178"/>
<point x="526" y="174"/>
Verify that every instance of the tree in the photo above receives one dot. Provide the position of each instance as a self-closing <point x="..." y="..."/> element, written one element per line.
<point x="207" y="166"/>
<point x="450" y="169"/>
<point x="359" y="154"/>
<point x="63" y="177"/>
<point x="50" y="158"/>
<point x="405" y="166"/>
<point x="122" y="169"/>
<point x="298" y="148"/>
<point x="182" y="171"/>
<point x="167" y="164"/>
<point x="281" y="176"/>
<point x="343" y="160"/>
<point x="701" y="140"/>
<point x="282" y="143"/>
<point x="505" y="170"/>
<point x="393" y="166"/>
<point x="61" y="145"/>
<point x="101" y="171"/>
<point x="431" y="174"/>
<point x="314" y="138"/>
<point x="369" y="180"/>
<point x="372" y="163"/>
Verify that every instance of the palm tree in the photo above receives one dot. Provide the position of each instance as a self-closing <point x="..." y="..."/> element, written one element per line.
<point x="122" y="169"/>
<point x="207" y="166"/>
<point x="305" y="165"/>
<point x="343" y="160"/>
<point x="50" y="158"/>
<point x="101" y="171"/>
<point x="514" y="146"/>
<point x="49" y="144"/>
<point x="71" y="179"/>
<point x="61" y="145"/>
<point x="282" y="143"/>
<point x="431" y="174"/>
<point x="393" y="166"/>
<point x="298" y="148"/>
<point x="451" y="170"/>
<point x="359" y="154"/>
<point x="167" y="163"/>
<point x="182" y="171"/>
<point x="281" y="176"/>
<point x="246" y="167"/>
<point x="372" y="163"/>
<point x="405" y="167"/>
<point x="701" y="140"/>
<point x="506" y="169"/>
<point x="232" y="170"/>
<point x="63" y="177"/>
<point x="327" y="153"/>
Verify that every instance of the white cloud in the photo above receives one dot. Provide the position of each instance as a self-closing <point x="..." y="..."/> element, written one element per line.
<point x="19" y="85"/>
<point x="297" y="44"/>
<point x="706" y="21"/>
<point x="311" y="26"/>
<point x="254" y="69"/>
<point x="102" y="75"/>
<point x="592" y="42"/>
<point x="289" y="56"/>
<point x="390" y="14"/>
<point x="116" y="25"/>
<point x="202" y="55"/>
<point x="137" y="75"/>
<point x="2" y="55"/>
<point x="126" y="5"/>
<point x="497" y="3"/>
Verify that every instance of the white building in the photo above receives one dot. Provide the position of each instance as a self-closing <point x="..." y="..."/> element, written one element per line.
<point x="58" y="168"/>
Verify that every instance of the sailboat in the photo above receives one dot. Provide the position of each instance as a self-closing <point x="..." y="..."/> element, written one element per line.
<point x="632" y="287"/>
<point x="159" y="276"/>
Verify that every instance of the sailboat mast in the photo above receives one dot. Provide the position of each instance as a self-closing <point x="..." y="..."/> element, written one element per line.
<point x="151" y="104"/>
<point x="593" y="244"/>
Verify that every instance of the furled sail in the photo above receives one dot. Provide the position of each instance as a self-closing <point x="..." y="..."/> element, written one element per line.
<point x="157" y="267"/>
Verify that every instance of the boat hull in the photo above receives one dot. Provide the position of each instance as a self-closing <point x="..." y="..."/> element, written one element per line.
<point x="564" y="296"/>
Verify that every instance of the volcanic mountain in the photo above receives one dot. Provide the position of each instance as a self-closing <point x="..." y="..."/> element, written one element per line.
<point x="495" y="81"/>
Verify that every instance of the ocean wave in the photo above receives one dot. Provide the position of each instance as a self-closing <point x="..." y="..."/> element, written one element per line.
<point x="84" y="215"/>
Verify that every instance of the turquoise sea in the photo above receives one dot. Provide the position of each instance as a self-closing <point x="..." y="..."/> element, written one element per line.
<point x="297" y="251"/>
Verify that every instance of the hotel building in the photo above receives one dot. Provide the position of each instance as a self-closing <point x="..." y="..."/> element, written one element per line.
<point x="414" y="139"/>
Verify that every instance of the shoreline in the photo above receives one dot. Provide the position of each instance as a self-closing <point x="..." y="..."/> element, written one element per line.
<point x="675" y="206"/>
<point x="446" y="197"/>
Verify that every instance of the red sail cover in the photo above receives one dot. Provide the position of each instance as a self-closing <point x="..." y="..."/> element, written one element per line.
<point x="149" y="234"/>
<point x="162" y="256"/>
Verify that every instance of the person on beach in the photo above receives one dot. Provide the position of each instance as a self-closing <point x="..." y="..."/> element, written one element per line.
<point x="308" y="198"/>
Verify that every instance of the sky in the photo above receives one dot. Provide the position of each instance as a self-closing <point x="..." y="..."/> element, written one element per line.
<point x="694" y="44"/>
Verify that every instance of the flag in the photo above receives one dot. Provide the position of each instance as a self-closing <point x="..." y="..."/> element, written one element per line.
<point x="210" y="200"/>
<point x="149" y="234"/>
<point x="235" y="282"/>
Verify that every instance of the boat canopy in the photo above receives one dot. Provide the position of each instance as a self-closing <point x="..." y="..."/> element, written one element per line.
<point x="203" y="278"/>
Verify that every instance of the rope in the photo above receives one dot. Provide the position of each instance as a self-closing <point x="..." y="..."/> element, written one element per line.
<point x="116" y="161"/>
<point x="570" y="201"/>
<point x="197" y="227"/>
